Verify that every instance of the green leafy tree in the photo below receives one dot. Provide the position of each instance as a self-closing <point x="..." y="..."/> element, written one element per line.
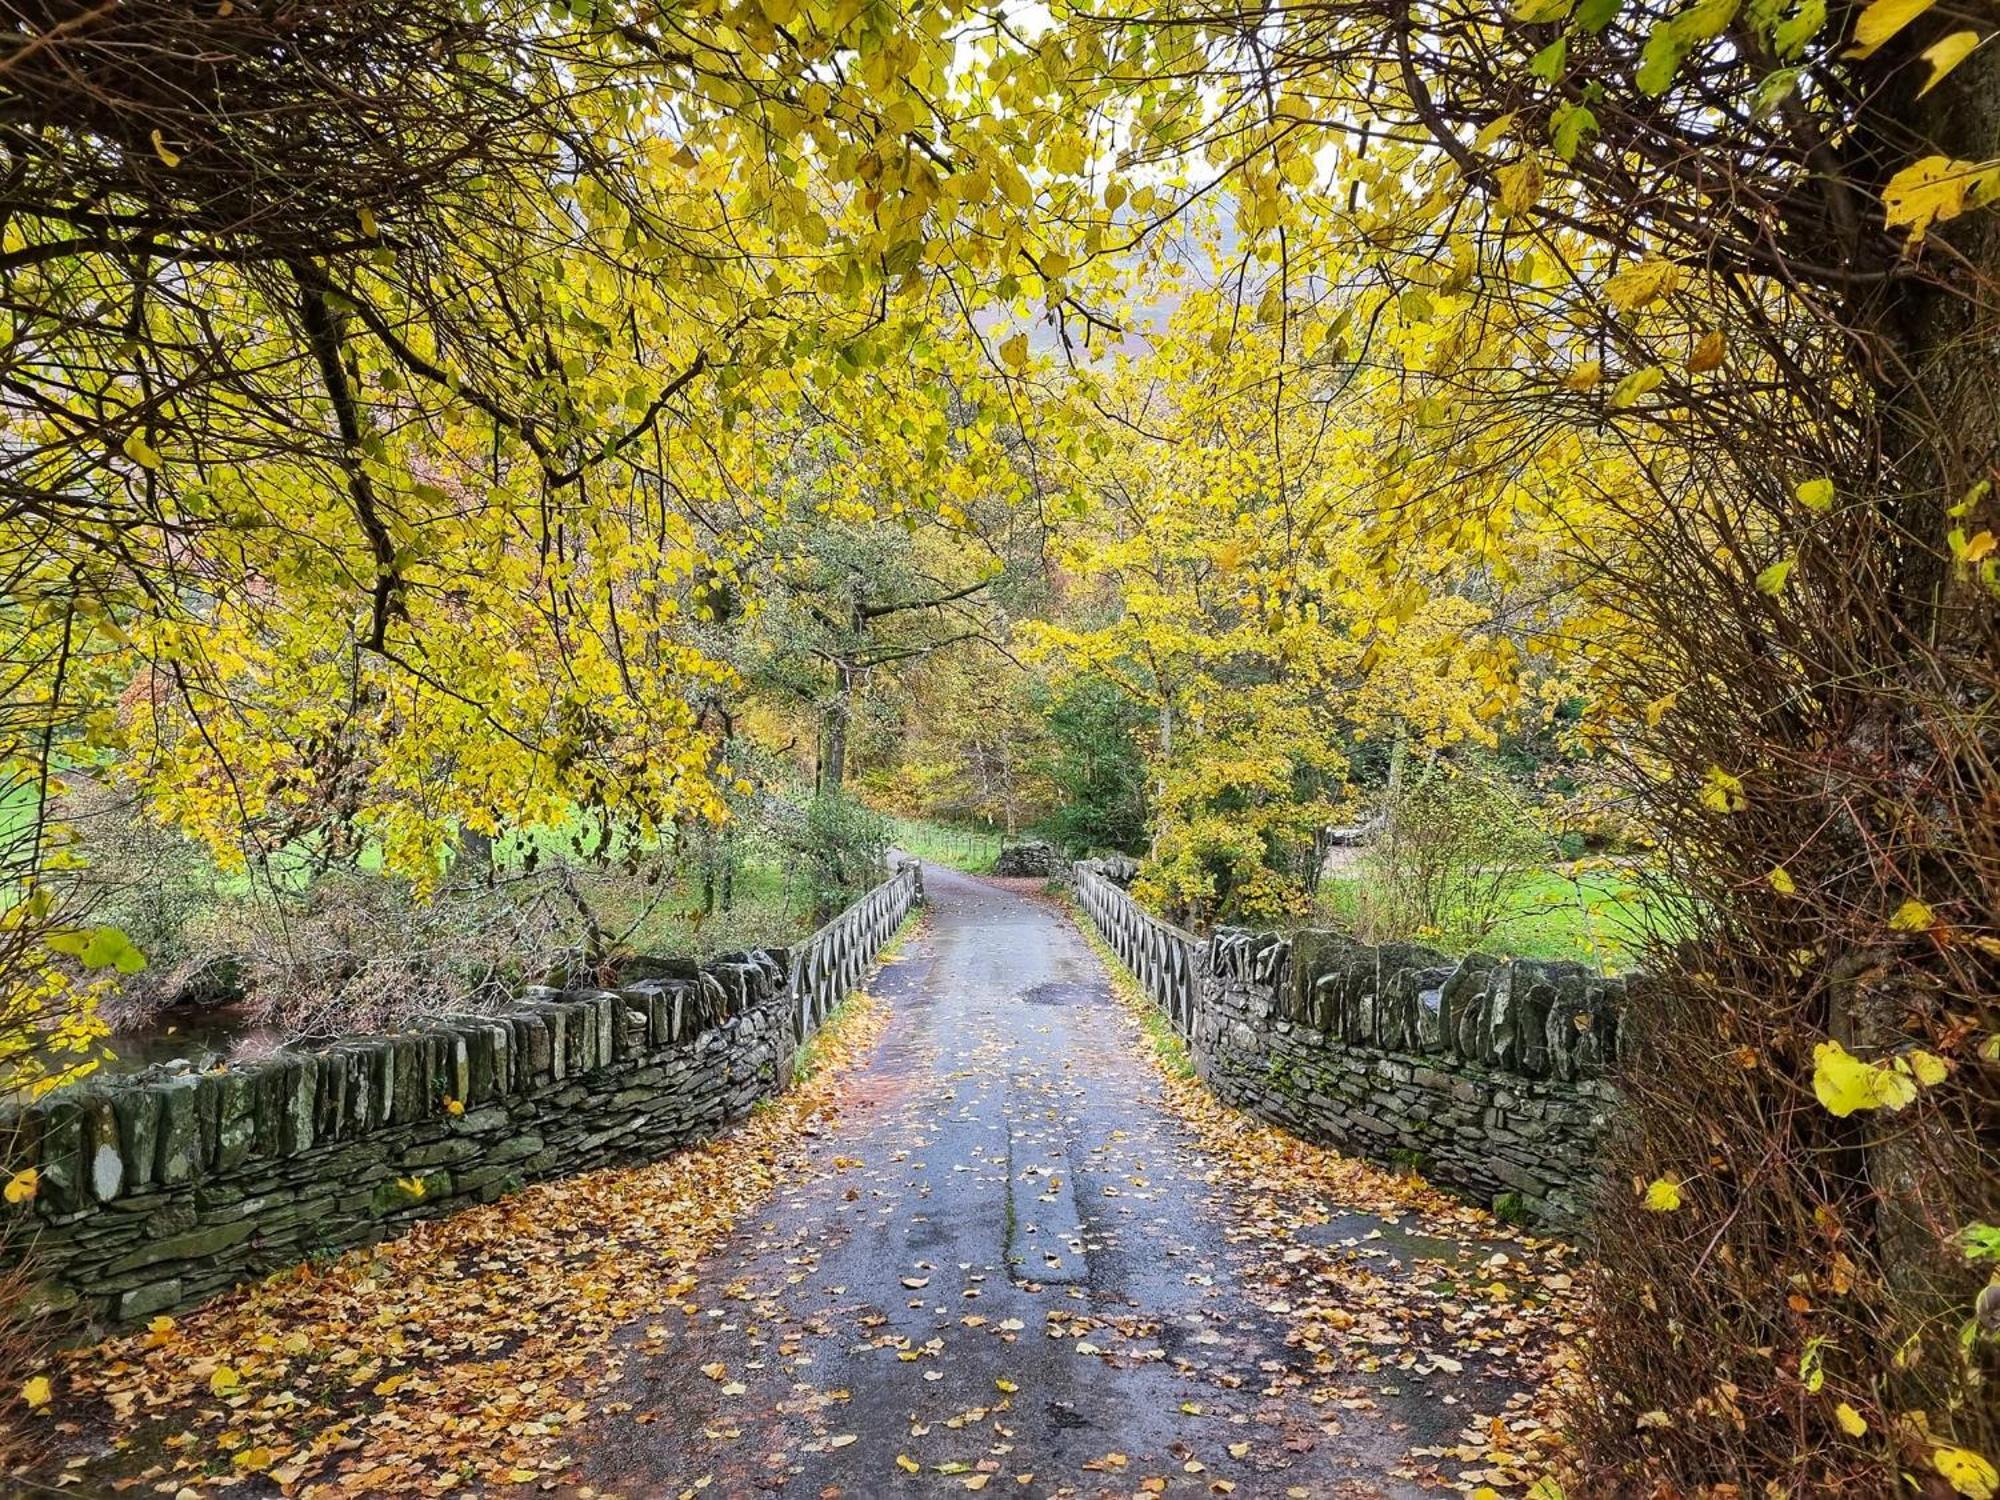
<point x="1096" y="766"/>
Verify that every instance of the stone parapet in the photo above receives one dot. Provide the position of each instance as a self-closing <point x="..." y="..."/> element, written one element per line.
<point x="156" y="1192"/>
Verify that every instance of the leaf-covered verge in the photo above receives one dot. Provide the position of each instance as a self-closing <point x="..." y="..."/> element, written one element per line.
<point x="457" y="1356"/>
<point x="1365" y="1318"/>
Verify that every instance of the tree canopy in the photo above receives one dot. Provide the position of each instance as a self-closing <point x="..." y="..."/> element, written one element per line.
<point x="440" y="422"/>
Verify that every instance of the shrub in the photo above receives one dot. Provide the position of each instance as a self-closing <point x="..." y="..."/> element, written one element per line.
<point x="1214" y="869"/>
<point x="359" y="952"/>
<point x="1455" y="844"/>
<point x="836" y="845"/>
<point x="1095" y="764"/>
<point x="150" y="882"/>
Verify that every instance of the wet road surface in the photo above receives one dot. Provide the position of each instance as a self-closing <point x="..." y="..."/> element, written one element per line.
<point x="1011" y="1272"/>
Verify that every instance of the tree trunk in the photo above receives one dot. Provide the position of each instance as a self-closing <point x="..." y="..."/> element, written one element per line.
<point x="833" y="761"/>
<point x="1940" y="338"/>
<point x="1938" y="382"/>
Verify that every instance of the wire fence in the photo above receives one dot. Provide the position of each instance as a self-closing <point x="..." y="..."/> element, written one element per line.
<point x="962" y="846"/>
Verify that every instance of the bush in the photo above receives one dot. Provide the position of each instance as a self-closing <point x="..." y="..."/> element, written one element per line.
<point x="150" y="882"/>
<point x="1455" y="844"/>
<point x="357" y="952"/>
<point x="837" y="846"/>
<point x="1215" y="870"/>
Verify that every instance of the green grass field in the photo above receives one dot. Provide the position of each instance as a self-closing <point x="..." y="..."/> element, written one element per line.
<point x="1594" y="915"/>
<point x="766" y="911"/>
<point x="960" y="846"/>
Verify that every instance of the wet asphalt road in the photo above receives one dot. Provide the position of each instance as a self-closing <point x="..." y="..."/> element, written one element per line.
<point x="1009" y="1262"/>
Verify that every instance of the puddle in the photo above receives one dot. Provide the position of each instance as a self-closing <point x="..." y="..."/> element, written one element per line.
<point x="1057" y="992"/>
<point x="1399" y="1242"/>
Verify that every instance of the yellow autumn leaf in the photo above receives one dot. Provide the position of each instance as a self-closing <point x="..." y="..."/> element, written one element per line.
<point x="1520" y="185"/>
<point x="1015" y="352"/>
<point x="1545" y="1488"/>
<point x="1934" y="189"/>
<point x="1663" y="1194"/>
<point x="1708" y="352"/>
<point x="223" y="1380"/>
<point x="1633" y="386"/>
<point x="165" y="152"/>
<point x="1972" y="549"/>
<point x="22" y="1185"/>
<point x="412" y="1186"/>
<point x="1843" y="1083"/>
<point x="1967" y="1472"/>
<point x="908" y="1464"/>
<point x="1927" y="1067"/>
<point x="1722" y="792"/>
<point x="1641" y="285"/>
<point x="254" y="1460"/>
<point x="1812" y="1365"/>
<point x="1772" y="580"/>
<point x="1782" y="882"/>
<point x="1851" y="1421"/>
<point x="1816" y="495"/>
<point x="141" y="452"/>
<point x="37" y="1392"/>
<point x="1585" y="377"/>
<point x="1882" y="19"/>
<point x="369" y="225"/>
<point x="454" y="1106"/>
<point x="1945" y="54"/>
<point x="1494" y="131"/>
<point x="1913" y="916"/>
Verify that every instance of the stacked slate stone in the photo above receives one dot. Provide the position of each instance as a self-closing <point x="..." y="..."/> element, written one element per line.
<point x="1033" y="858"/>
<point x="1491" y="1076"/>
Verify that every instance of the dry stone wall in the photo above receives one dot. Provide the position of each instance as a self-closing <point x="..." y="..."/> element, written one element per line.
<point x="1492" y="1076"/>
<point x="156" y="1193"/>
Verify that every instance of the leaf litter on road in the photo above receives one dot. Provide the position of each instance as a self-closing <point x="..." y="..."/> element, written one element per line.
<point x="458" y="1355"/>
<point x="1471" y="1299"/>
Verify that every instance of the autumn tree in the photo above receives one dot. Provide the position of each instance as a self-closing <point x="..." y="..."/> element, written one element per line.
<point x="1226" y="574"/>
<point x="388" y="391"/>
